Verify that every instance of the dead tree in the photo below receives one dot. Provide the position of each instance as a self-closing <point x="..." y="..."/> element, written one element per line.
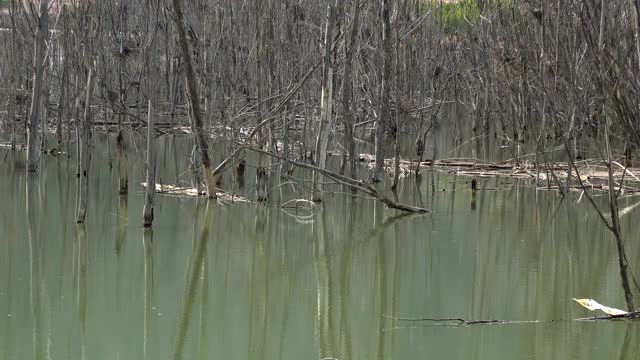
<point x="123" y="175"/>
<point x="85" y="152"/>
<point x="194" y="100"/>
<point x="262" y="177"/>
<point x="326" y="101"/>
<point x="348" y="105"/>
<point x="38" y="79"/>
<point x="384" y="118"/>
<point x="151" y="170"/>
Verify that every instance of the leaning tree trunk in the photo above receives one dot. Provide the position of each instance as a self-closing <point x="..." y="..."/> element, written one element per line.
<point x="326" y="101"/>
<point x="151" y="171"/>
<point x="38" y="63"/>
<point x="384" y="118"/>
<point x="85" y="153"/>
<point x="194" y="99"/>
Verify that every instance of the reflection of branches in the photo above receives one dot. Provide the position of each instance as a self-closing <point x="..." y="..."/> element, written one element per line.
<point x="195" y="268"/>
<point x="81" y="285"/>
<point x="387" y="223"/>
<point x="147" y="242"/>
<point x="627" y="350"/>
<point x="121" y="227"/>
<point x="34" y="270"/>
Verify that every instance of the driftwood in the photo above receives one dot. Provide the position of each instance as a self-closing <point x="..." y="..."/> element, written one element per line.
<point x="593" y="173"/>
<point x="464" y="322"/>
<point x="166" y="189"/>
<point x="590" y="304"/>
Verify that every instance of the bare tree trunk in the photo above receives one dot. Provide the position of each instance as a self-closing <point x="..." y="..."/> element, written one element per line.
<point x="85" y="153"/>
<point x="63" y="82"/>
<point x="262" y="177"/>
<point x="396" y="163"/>
<point x="636" y="5"/>
<point x="45" y="110"/>
<point x="151" y="170"/>
<point x="76" y="119"/>
<point x="384" y="116"/>
<point x="326" y="101"/>
<point x="123" y="175"/>
<point x="194" y="99"/>
<point x="13" y="104"/>
<point x="38" y="63"/>
<point x="348" y="105"/>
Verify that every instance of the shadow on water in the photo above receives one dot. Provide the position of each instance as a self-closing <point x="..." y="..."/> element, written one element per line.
<point x="147" y="245"/>
<point x="121" y="227"/>
<point x="80" y="277"/>
<point x="35" y="264"/>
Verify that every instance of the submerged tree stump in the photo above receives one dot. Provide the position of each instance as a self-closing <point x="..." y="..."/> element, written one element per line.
<point x="85" y="153"/>
<point x="150" y="192"/>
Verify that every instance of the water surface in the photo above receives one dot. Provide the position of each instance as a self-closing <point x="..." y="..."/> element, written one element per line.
<point x="240" y="281"/>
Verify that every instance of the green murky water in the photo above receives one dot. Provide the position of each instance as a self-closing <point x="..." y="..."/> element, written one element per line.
<point x="262" y="284"/>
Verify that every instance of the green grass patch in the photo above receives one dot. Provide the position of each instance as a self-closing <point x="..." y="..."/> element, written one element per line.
<point x="463" y="14"/>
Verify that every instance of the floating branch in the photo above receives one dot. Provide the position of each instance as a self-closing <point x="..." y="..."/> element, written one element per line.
<point x="612" y="314"/>
<point x="192" y="192"/>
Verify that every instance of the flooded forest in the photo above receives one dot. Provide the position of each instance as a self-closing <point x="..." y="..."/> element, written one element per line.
<point x="329" y="179"/>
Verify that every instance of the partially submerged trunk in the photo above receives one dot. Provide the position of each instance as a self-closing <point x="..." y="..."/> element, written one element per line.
<point x="262" y="176"/>
<point x="85" y="152"/>
<point x="194" y="100"/>
<point x="123" y="175"/>
<point x="348" y="105"/>
<point x="384" y="118"/>
<point x="38" y="77"/>
<point x="151" y="171"/>
<point x="396" y="152"/>
<point x="326" y="102"/>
